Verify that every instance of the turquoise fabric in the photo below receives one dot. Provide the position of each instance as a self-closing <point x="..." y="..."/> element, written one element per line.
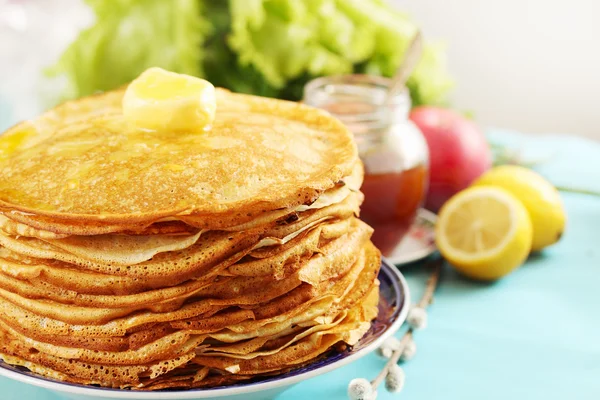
<point x="533" y="335"/>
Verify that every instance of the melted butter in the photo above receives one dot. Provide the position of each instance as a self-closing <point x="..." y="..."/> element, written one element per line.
<point x="229" y="191"/>
<point x="122" y="175"/>
<point x="71" y="148"/>
<point x="80" y="171"/>
<point x="17" y="196"/>
<point x="200" y="164"/>
<point x="221" y="142"/>
<point x="68" y="157"/>
<point x="160" y="100"/>
<point x="182" y="204"/>
<point x="132" y="144"/>
<point x="174" y="167"/>
<point x="269" y="140"/>
<point x="12" y="141"/>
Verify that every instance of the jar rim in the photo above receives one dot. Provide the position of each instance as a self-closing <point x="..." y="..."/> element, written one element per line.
<point x="357" y="79"/>
<point x="369" y="91"/>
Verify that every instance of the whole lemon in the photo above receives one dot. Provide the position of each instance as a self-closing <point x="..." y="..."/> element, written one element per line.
<point x="540" y="198"/>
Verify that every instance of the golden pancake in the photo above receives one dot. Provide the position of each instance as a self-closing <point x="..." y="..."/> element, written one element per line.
<point x="179" y="343"/>
<point x="165" y="267"/>
<point x="60" y="281"/>
<point x="270" y="318"/>
<point x="15" y="228"/>
<point x="123" y="250"/>
<point x="342" y="195"/>
<point x="244" y="290"/>
<point x="148" y="260"/>
<point x="103" y="169"/>
<point x="244" y="355"/>
<point x="48" y="224"/>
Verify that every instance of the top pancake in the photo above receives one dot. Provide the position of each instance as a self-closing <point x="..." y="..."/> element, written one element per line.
<point x="82" y="161"/>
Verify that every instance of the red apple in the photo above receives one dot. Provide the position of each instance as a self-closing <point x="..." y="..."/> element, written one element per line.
<point x="458" y="152"/>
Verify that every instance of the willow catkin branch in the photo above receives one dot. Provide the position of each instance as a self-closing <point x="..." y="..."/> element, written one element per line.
<point x="431" y="285"/>
<point x="426" y="300"/>
<point x="578" y="191"/>
<point x="393" y="359"/>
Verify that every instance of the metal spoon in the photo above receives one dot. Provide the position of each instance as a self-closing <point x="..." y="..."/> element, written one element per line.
<point x="411" y="58"/>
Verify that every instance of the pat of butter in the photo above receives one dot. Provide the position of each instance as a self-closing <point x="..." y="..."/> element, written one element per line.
<point x="161" y="100"/>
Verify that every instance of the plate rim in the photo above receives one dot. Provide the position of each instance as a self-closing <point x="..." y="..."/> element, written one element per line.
<point x="73" y="389"/>
<point x="425" y="252"/>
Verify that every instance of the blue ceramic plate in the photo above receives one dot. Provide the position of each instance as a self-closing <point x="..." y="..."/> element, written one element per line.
<point x="393" y="307"/>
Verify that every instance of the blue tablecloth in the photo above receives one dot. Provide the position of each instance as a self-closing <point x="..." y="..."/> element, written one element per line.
<point x="533" y="335"/>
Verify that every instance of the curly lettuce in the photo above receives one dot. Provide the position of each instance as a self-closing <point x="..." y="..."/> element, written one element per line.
<point x="287" y="39"/>
<point x="130" y="36"/>
<point x="264" y="47"/>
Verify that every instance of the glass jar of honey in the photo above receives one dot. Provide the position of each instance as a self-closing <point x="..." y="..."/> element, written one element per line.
<point x="392" y="148"/>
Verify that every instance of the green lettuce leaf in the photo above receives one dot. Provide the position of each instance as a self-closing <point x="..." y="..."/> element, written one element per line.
<point x="220" y="63"/>
<point x="264" y="47"/>
<point x="284" y="39"/>
<point x="130" y="36"/>
<point x="288" y="41"/>
<point x="430" y="82"/>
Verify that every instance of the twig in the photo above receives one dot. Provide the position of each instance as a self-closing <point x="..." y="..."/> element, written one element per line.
<point x="424" y="302"/>
<point x="505" y="155"/>
<point x="508" y="155"/>
<point x="577" y="190"/>
<point x="393" y="359"/>
<point x="431" y="285"/>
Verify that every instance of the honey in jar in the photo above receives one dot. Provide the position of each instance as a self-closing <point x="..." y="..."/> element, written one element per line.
<point x="391" y="147"/>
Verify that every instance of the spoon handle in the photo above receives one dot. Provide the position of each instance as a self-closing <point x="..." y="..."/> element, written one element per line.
<point x="411" y="58"/>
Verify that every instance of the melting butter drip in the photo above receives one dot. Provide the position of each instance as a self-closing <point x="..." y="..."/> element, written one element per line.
<point x="160" y="100"/>
<point x="12" y="140"/>
<point x="174" y="167"/>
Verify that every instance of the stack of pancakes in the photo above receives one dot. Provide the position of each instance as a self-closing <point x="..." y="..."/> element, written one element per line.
<point x="152" y="260"/>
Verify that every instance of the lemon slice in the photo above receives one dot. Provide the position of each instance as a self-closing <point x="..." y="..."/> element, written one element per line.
<point x="484" y="232"/>
<point x="161" y="100"/>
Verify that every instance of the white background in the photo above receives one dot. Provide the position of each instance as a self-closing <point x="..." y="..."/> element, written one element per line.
<point x="528" y="65"/>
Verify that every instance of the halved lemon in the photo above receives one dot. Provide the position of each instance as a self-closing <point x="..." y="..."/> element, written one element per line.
<point x="161" y="100"/>
<point x="484" y="232"/>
